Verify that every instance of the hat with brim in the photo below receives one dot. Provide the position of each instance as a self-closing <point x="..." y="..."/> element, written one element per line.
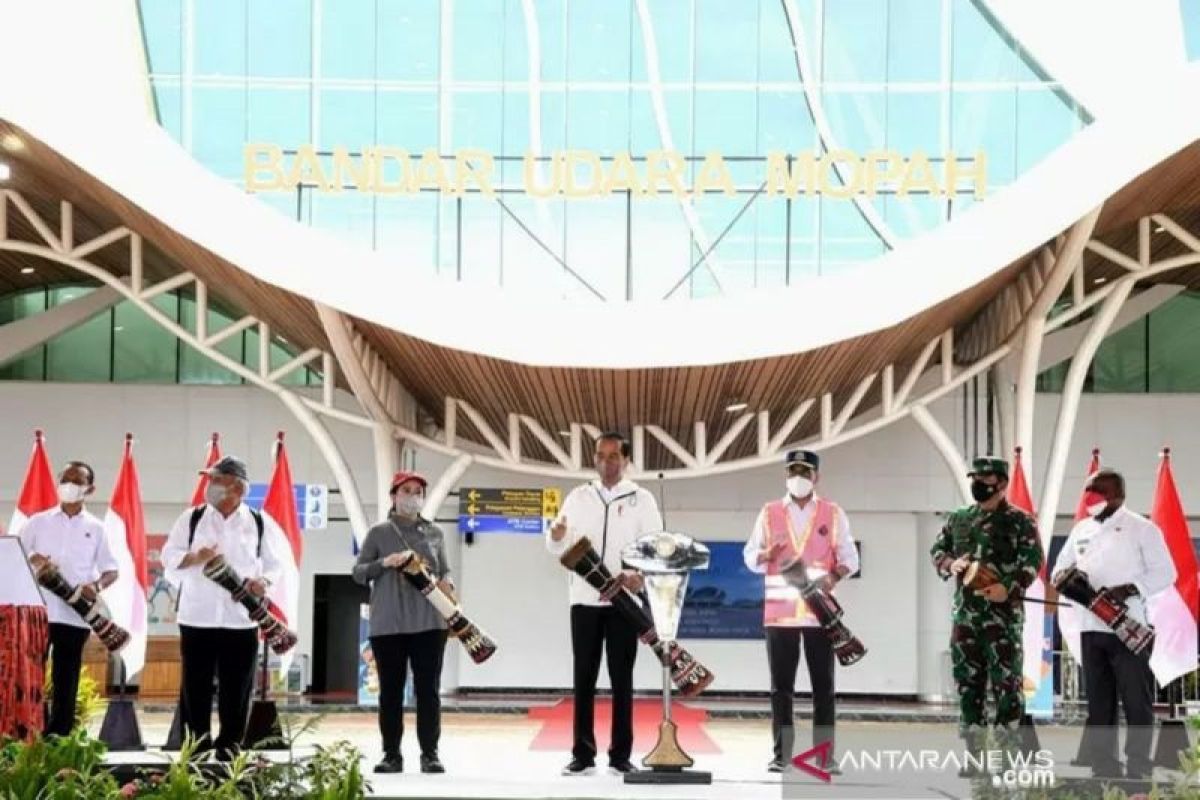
<point x="402" y="477"/>
<point x="229" y="465"/>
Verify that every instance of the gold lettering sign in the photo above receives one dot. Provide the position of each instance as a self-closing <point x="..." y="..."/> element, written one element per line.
<point x="581" y="174"/>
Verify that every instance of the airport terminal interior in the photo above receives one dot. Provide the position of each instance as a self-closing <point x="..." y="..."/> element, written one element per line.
<point x="563" y="377"/>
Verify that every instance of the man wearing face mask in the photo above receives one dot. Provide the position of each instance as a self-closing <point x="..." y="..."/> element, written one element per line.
<point x="73" y="540"/>
<point x="405" y="628"/>
<point x="985" y="639"/>
<point x="1124" y="553"/>
<point x="612" y="512"/>
<point x="216" y="635"/>
<point x="799" y="525"/>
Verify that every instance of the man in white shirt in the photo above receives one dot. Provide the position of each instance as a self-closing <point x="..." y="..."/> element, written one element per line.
<point x="216" y="635"/>
<point x="611" y="512"/>
<point x="800" y="525"/>
<point x="1125" y="553"/>
<point x="73" y="540"/>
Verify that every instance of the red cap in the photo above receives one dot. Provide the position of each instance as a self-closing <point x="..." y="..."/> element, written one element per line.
<point x="404" y="477"/>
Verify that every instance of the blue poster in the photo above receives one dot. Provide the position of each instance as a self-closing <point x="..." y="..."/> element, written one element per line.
<point x="368" y="676"/>
<point x="724" y="601"/>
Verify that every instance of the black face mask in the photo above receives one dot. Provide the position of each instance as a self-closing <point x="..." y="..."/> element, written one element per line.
<point x="982" y="492"/>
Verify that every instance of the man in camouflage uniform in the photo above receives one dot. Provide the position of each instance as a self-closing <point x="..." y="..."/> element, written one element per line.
<point x="985" y="641"/>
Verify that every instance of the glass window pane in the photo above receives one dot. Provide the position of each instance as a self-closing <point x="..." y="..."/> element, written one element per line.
<point x="551" y="20"/>
<point x="1174" y="332"/>
<point x="986" y="121"/>
<point x="477" y="120"/>
<point x="83" y="353"/>
<point x="670" y="21"/>
<point x="162" y="29"/>
<point x="407" y="227"/>
<point x="281" y="353"/>
<point x="478" y="41"/>
<point x="528" y="268"/>
<point x="169" y="102"/>
<point x="980" y="53"/>
<point x="279" y="116"/>
<point x="914" y="48"/>
<point x="280" y="38"/>
<point x="349" y="215"/>
<point x="142" y="351"/>
<point x="1120" y="363"/>
<point x="195" y="367"/>
<point x="1189" y="13"/>
<point x="219" y="37"/>
<point x="661" y="245"/>
<point x="596" y="245"/>
<point x="804" y="256"/>
<point x="643" y="127"/>
<point x="1044" y="121"/>
<point x="784" y="122"/>
<point x="847" y="239"/>
<point x="481" y="246"/>
<point x="598" y="32"/>
<point x="721" y="122"/>
<point x="857" y="119"/>
<point x="347" y="119"/>
<point x="348" y="39"/>
<point x="914" y="122"/>
<point x="776" y="58"/>
<point x="30" y="365"/>
<point x="408" y="40"/>
<point x="408" y="120"/>
<point x="726" y="41"/>
<point x="219" y="129"/>
<point x="598" y="121"/>
<point x="856" y="41"/>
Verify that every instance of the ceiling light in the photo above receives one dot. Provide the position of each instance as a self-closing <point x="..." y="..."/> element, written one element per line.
<point x="1100" y="280"/>
<point x="5" y="171"/>
<point x="27" y="270"/>
<point x="564" y="433"/>
<point x="118" y="328"/>
<point x="1159" y="229"/>
<point x="733" y="407"/>
<point x="11" y="142"/>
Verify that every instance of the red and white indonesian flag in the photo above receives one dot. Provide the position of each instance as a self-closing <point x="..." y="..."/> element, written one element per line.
<point x="1070" y="616"/>
<point x="1033" y="635"/>
<point x="280" y="506"/>
<point x="125" y="531"/>
<point x="214" y="455"/>
<point x="1174" y="612"/>
<point x="39" y="491"/>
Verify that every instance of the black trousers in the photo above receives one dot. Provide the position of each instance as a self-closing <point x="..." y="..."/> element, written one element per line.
<point x="594" y="630"/>
<point x="783" y="658"/>
<point x="393" y="655"/>
<point x="1112" y="671"/>
<point x="229" y="654"/>
<point x="66" y="648"/>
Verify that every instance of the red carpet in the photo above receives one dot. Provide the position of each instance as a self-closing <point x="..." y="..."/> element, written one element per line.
<point x="556" y="732"/>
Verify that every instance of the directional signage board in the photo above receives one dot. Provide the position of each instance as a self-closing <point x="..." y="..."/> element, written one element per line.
<point x="507" y="510"/>
<point x="312" y="503"/>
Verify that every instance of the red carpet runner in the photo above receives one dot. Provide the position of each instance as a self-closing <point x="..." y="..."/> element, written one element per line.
<point x="556" y="732"/>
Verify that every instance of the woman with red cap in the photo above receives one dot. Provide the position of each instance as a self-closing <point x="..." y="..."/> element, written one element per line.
<point x="404" y="628"/>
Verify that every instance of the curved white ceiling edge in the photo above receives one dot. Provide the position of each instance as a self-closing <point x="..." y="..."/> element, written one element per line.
<point x="141" y="162"/>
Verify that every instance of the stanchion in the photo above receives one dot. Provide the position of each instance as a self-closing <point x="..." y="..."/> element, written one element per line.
<point x="120" y="731"/>
<point x="262" y="730"/>
<point x="175" y="735"/>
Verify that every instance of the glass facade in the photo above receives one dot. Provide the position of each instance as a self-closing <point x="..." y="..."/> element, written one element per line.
<point x="1189" y="15"/>
<point x="1156" y="353"/>
<point x="607" y="77"/>
<point x="124" y="345"/>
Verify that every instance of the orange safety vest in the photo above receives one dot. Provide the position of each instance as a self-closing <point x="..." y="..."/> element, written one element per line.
<point x="783" y="604"/>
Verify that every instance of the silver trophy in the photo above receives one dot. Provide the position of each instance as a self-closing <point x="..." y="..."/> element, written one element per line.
<point x="664" y="559"/>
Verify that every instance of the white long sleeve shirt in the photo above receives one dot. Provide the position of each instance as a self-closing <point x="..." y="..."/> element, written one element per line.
<point x="1125" y="548"/>
<point x="847" y="553"/>
<point x="202" y="602"/>
<point x="610" y="519"/>
<point x="76" y="545"/>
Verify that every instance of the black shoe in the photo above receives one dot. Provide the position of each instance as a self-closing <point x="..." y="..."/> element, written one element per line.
<point x="621" y="767"/>
<point x="579" y="767"/>
<point x="225" y="754"/>
<point x="431" y="764"/>
<point x="776" y="765"/>
<point x="391" y="763"/>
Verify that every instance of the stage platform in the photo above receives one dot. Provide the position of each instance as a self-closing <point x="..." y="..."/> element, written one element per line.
<point x="494" y="755"/>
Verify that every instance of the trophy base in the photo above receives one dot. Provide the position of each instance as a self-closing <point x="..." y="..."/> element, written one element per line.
<point x="666" y="775"/>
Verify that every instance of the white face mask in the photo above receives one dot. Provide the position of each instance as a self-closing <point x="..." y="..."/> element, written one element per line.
<point x="214" y="494"/>
<point x="1096" y="508"/>
<point x="71" y="492"/>
<point x="409" y="505"/>
<point x="799" y="487"/>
